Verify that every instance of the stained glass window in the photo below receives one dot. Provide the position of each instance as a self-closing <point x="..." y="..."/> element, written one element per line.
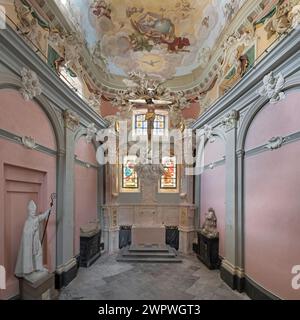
<point x="141" y="125"/>
<point x="129" y="175"/>
<point x="169" y="178"/>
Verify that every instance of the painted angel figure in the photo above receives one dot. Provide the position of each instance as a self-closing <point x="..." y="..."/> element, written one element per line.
<point x="272" y="87"/>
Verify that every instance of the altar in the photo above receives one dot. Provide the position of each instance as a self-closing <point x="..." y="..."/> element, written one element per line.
<point x="147" y="224"/>
<point x="148" y="235"/>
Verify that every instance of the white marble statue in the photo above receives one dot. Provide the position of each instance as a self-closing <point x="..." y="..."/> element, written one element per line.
<point x="30" y="257"/>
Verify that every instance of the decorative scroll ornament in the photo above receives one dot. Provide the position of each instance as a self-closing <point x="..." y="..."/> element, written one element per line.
<point x="272" y="86"/>
<point x="275" y="143"/>
<point x="29" y="142"/>
<point x="90" y="132"/>
<point x="230" y="119"/>
<point x="294" y="16"/>
<point x="71" y="119"/>
<point x="31" y="84"/>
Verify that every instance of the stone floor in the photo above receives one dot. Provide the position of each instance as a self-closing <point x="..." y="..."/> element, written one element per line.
<point x="108" y="279"/>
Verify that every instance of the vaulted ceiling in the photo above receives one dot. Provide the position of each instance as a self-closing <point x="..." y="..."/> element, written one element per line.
<point x="162" y="38"/>
<point x="167" y="39"/>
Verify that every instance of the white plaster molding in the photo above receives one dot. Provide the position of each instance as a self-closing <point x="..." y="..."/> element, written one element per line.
<point x="275" y="143"/>
<point x="31" y="84"/>
<point x="294" y="17"/>
<point x="230" y="120"/>
<point x="95" y="101"/>
<point x="272" y="87"/>
<point x="90" y="132"/>
<point x="29" y="142"/>
<point x="208" y="132"/>
<point x="71" y="119"/>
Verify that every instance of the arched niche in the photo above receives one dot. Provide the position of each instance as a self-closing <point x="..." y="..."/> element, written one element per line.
<point x="271" y="182"/>
<point x="25" y="173"/>
<point x="212" y="188"/>
<point x="86" y="186"/>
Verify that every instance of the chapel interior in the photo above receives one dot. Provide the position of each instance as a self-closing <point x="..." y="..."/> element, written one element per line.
<point x="164" y="136"/>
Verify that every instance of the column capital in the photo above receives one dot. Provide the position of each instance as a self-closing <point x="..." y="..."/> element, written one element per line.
<point x="71" y="120"/>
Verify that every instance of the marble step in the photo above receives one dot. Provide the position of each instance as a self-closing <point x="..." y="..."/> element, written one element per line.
<point x="148" y="259"/>
<point x="149" y="254"/>
<point x="148" y="249"/>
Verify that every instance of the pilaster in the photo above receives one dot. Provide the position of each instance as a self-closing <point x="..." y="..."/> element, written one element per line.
<point x="66" y="264"/>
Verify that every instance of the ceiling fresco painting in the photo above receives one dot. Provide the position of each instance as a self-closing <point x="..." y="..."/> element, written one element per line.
<point x="162" y="38"/>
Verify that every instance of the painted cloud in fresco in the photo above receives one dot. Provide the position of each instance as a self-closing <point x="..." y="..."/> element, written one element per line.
<point x="165" y="38"/>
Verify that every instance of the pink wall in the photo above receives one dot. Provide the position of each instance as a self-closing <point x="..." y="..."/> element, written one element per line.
<point x="85" y="151"/>
<point x="272" y="184"/>
<point x="214" y="151"/>
<point x="213" y="188"/>
<point x="24" y="174"/>
<point x="25" y="118"/>
<point x="274" y="120"/>
<point x="85" y="189"/>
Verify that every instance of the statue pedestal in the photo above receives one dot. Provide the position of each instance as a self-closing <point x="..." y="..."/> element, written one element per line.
<point x="208" y="250"/>
<point x="41" y="289"/>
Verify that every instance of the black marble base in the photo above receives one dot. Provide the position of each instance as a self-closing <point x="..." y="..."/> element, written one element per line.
<point x="252" y="289"/>
<point x="90" y="249"/>
<point x="124" y="236"/>
<point x="195" y="248"/>
<point x="208" y="251"/>
<point x="172" y="237"/>
<point x="64" y="278"/>
<point x="234" y="282"/>
<point x="256" y="292"/>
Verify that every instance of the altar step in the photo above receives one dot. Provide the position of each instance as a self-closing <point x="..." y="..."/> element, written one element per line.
<point x="148" y="253"/>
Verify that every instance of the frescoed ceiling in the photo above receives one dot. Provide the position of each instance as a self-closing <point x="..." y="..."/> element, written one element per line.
<point x="166" y="39"/>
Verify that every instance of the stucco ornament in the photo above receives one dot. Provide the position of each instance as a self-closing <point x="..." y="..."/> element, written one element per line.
<point x="31" y="84"/>
<point x="95" y="101"/>
<point x="30" y="257"/>
<point x="294" y="16"/>
<point x="29" y="142"/>
<point x="208" y="133"/>
<point x="230" y="120"/>
<point x="275" y="143"/>
<point x="90" y="132"/>
<point x="73" y="46"/>
<point x="272" y="87"/>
